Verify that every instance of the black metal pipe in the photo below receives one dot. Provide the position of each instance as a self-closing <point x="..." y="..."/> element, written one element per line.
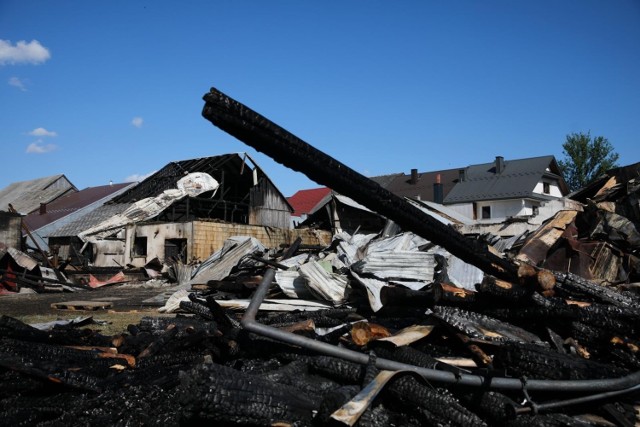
<point x="576" y="401"/>
<point x="496" y="383"/>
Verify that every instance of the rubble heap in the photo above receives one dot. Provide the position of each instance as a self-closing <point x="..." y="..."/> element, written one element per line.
<point x="505" y="354"/>
<point x="368" y="331"/>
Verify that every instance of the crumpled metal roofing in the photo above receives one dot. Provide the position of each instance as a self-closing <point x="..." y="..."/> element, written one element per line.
<point x="89" y="220"/>
<point x="191" y="184"/>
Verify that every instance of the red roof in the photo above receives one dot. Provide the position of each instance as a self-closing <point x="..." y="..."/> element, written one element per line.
<point x="305" y="200"/>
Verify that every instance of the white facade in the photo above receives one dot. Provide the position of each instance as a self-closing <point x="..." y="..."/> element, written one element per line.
<point x="490" y="211"/>
<point x="548" y="188"/>
<point x="496" y="210"/>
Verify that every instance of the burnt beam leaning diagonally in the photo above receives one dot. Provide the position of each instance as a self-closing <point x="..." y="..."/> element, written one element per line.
<point x="267" y="137"/>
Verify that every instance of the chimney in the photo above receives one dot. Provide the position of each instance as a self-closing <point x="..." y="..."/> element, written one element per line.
<point x="462" y="175"/>
<point x="438" y="192"/>
<point x="499" y="164"/>
<point x="43" y="208"/>
<point x="414" y="176"/>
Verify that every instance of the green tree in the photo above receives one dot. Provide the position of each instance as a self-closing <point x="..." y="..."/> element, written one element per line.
<point x="586" y="159"/>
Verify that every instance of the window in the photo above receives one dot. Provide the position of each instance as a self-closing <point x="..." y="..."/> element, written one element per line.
<point x="546" y="188"/>
<point x="175" y="249"/>
<point x="140" y="246"/>
<point x="535" y="210"/>
<point x="486" y="212"/>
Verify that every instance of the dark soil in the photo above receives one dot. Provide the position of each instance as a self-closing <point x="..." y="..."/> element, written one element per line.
<point x="127" y="301"/>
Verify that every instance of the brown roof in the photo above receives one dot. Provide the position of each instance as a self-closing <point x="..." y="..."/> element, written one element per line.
<point x="402" y="185"/>
<point x="65" y="205"/>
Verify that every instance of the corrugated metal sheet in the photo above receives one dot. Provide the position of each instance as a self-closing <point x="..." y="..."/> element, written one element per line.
<point x="373" y="287"/>
<point x="293" y="284"/>
<point x="22" y="259"/>
<point x="398" y="243"/>
<point x="328" y="286"/>
<point x="89" y="220"/>
<point x="462" y="274"/>
<point x="348" y="246"/>
<point x="407" y="265"/>
<point x="219" y="265"/>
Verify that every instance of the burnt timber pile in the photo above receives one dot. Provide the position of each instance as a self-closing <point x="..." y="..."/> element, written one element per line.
<point x="549" y="337"/>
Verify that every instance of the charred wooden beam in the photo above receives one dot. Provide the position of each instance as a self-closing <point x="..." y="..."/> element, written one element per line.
<point x="493" y="407"/>
<point x="481" y="358"/>
<point x="195" y="307"/>
<point x="534" y="361"/>
<point x="262" y="134"/>
<point x="479" y="326"/>
<point x="507" y="291"/>
<point x="572" y="284"/>
<point x="215" y="393"/>
<point x="438" y="406"/>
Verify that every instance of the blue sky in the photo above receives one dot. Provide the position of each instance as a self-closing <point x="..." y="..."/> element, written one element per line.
<point x="113" y="90"/>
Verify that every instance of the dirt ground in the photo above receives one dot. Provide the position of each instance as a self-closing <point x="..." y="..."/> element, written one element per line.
<point x="127" y="305"/>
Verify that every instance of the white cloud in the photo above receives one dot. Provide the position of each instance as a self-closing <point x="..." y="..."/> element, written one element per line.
<point x="137" y="121"/>
<point x="39" y="148"/>
<point x="137" y="177"/>
<point x="16" y="82"/>
<point x="42" y="132"/>
<point x="23" y="52"/>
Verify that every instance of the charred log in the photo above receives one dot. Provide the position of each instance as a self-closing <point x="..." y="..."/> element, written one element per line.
<point x="438" y="406"/>
<point x="332" y="401"/>
<point x="321" y="318"/>
<point x="339" y="370"/>
<point x="224" y="320"/>
<point x="265" y="136"/>
<point x="493" y="407"/>
<point x="198" y="309"/>
<point x="407" y="355"/>
<point x="296" y="375"/>
<point x="491" y="288"/>
<point x="216" y="393"/>
<point x="534" y="361"/>
<point x="572" y="284"/>
<point x="476" y="325"/>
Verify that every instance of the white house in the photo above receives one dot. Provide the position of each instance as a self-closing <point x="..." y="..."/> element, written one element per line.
<point x="493" y="192"/>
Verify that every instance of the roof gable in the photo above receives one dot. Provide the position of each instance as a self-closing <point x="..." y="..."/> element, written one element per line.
<point x="304" y="201"/>
<point x="26" y="196"/>
<point x="245" y="192"/>
<point x="517" y="179"/>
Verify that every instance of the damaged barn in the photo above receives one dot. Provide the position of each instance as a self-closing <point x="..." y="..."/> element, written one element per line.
<point x="180" y="214"/>
<point x="367" y="330"/>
